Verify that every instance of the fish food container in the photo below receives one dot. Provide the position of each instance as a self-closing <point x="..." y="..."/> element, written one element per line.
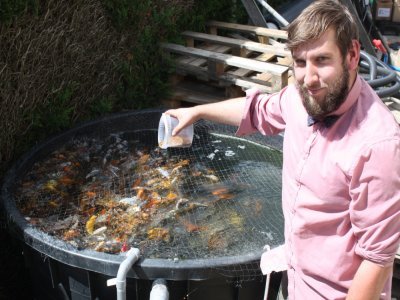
<point x="165" y="138"/>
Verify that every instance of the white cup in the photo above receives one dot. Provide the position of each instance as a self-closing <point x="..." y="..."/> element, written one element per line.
<point x="165" y="138"/>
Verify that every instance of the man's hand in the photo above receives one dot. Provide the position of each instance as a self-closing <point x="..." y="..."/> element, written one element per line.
<point x="226" y="112"/>
<point x="369" y="281"/>
<point x="185" y="116"/>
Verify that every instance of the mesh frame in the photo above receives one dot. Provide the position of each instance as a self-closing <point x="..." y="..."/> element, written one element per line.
<point x="244" y="265"/>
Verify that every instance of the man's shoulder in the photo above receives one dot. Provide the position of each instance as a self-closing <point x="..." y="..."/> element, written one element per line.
<point x="373" y="116"/>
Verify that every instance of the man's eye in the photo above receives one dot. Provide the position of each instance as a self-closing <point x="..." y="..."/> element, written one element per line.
<point x="322" y="59"/>
<point x="299" y="63"/>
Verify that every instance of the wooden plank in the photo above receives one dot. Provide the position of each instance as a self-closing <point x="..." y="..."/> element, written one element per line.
<point x="264" y="82"/>
<point x="263" y="77"/>
<point x="215" y="67"/>
<point x="277" y="44"/>
<point x="265" y="57"/>
<point x="247" y="83"/>
<point x="194" y="61"/>
<point x="216" y="48"/>
<point x="185" y="69"/>
<point x="227" y="59"/>
<point x="240" y="72"/>
<point x="237" y="36"/>
<point x="231" y="42"/>
<point x="285" y="61"/>
<point x="245" y="72"/>
<point x="200" y="62"/>
<point x="260" y="31"/>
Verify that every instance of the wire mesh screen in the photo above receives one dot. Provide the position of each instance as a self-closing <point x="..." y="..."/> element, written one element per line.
<point x="112" y="190"/>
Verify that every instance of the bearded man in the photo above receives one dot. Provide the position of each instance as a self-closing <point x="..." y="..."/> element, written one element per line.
<point x="341" y="160"/>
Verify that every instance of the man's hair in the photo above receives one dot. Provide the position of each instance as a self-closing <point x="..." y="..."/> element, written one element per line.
<point x="317" y="18"/>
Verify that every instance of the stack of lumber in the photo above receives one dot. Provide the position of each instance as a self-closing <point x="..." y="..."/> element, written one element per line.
<point x="227" y="60"/>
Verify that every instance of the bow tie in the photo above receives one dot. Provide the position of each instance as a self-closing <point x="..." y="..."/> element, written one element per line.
<point x="327" y="121"/>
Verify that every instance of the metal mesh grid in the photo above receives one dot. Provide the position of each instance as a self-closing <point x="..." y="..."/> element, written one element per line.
<point x="113" y="190"/>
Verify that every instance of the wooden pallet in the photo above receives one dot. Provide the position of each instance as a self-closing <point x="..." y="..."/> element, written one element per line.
<point x="234" y="64"/>
<point x="263" y="34"/>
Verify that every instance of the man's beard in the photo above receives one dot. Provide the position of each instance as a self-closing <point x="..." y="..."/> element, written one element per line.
<point x="337" y="93"/>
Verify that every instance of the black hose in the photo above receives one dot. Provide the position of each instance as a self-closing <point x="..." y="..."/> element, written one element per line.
<point x="381" y="76"/>
<point x="389" y="91"/>
<point x="386" y="67"/>
<point x="371" y="64"/>
<point x="388" y="77"/>
<point x="384" y="80"/>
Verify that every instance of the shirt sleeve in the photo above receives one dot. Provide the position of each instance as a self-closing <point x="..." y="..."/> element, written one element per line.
<point x="263" y="113"/>
<point x="375" y="204"/>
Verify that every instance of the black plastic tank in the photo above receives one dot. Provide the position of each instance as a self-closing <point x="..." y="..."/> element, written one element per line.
<point x="212" y="252"/>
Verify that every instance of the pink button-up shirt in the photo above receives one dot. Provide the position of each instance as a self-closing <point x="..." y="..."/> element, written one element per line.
<point x="341" y="187"/>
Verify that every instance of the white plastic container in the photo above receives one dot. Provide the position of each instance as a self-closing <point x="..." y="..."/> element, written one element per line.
<point x="165" y="138"/>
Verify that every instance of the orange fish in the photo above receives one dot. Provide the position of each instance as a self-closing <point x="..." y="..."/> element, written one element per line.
<point x="65" y="180"/>
<point x="141" y="194"/>
<point x="143" y="159"/>
<point x="222" y="194"/>
<point x="151" y="203"/>
<point x="158" y="234"/>
<point x="90" y="194"/>
<point x="70" y="234"/>
<point x="137" y="182"/>
<point x="190" y="227"/>
<point x="90" y="224"/>
<point x="220" y="191"/>
<point x="171" y="196"/>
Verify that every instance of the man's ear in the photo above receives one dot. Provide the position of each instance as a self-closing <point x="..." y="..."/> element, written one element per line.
<point x="353" y="55"/>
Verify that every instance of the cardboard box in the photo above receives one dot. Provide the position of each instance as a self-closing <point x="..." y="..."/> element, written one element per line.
<point x="383" y="10"/>
<point x="396" y="11"/>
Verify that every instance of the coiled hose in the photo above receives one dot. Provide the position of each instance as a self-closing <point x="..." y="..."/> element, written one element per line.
<point x="384" y="80"/>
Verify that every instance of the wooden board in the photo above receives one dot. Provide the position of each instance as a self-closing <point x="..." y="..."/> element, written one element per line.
<point x="218" y="63"/>
<point x="259" y="31"/>
<point x="234" y="43"/>
<point x="246" y="57"/>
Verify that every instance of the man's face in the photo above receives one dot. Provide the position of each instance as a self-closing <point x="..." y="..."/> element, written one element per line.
<point x="322" y="75"/>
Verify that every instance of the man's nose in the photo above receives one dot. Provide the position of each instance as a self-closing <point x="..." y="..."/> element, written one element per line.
<point x="311" y="75"/>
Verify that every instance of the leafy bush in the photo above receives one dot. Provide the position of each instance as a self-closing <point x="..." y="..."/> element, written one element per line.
<point x="144" y="75"/>
<point x="65" y="51"/>
<point x="144" y="72"/>
<point x="9" y="9"/>
<point x="67" y="61"/>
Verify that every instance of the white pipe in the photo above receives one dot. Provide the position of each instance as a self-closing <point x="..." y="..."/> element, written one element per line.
<point x="268" y="279"/>
<point x="273" y="12"/>
<point x="132" y="256"/>
<point x="267" y="282"/>
<point x="159" y="291"/>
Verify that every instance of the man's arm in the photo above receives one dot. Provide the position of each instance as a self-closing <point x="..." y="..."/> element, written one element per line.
<point x="369" y="281"/>
<point x="227" y="112"/>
